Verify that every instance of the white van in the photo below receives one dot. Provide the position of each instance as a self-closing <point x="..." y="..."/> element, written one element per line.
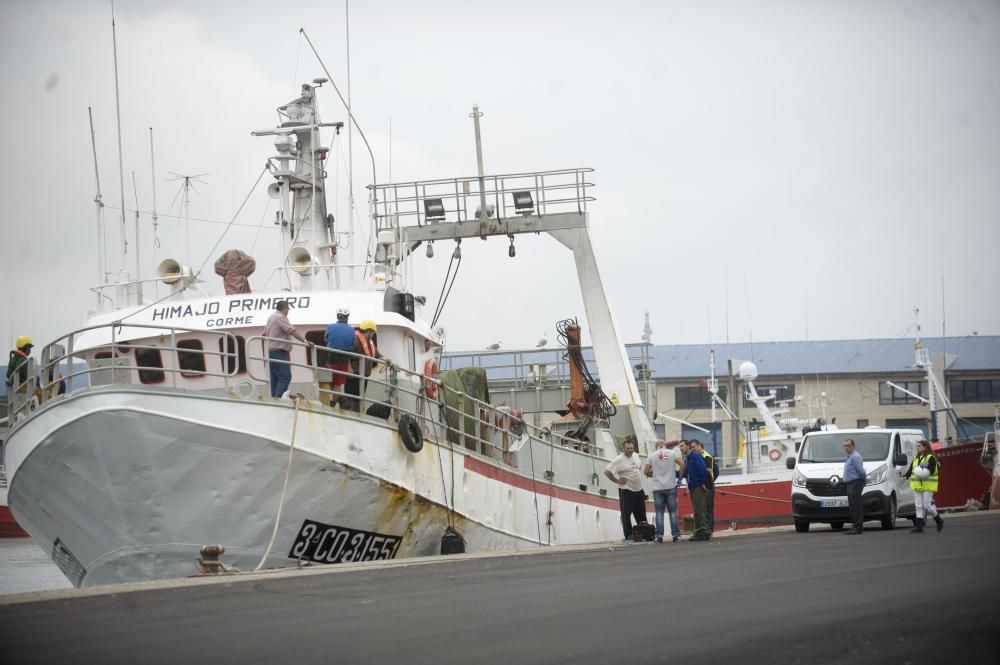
<point x="818" y="490"/>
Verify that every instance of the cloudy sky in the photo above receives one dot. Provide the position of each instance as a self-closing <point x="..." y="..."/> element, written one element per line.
<point x="821" y="165"/>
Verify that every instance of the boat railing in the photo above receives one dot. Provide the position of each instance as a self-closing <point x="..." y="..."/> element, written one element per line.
<point x="66" y="367"/>
<point x="316" y="266"/>
<point x="452" y="416"/>
<point x="459" y="199"/>
<point x="538" y="367"/>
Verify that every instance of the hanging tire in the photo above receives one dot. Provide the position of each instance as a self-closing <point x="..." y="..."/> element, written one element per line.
<point x="410" y="433"/>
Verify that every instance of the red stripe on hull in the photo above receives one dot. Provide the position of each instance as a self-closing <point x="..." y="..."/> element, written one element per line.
<point x="9" y="528"/>
<point x="764" y="503"/>
<point x="538" y="486"/>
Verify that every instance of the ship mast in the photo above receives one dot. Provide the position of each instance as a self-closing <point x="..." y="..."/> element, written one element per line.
<point x="99" y="204"/>
<point x="937" y="400"/>
<point x="308" y="240"/>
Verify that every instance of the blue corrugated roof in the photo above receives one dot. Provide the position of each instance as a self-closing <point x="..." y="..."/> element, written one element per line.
<point x="854" y="356"/>
<point x="850" y="356"/>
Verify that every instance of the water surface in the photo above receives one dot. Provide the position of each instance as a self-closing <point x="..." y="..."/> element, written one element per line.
<point x="25" y="567"/>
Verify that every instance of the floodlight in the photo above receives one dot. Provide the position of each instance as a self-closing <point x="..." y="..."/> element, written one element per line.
<point x="434" y="209"/>
<point x="523" y="203"/>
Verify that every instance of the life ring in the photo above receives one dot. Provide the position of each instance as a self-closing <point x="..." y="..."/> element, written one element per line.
<point x="410" y="433"/>
<point x="430" y="378"/>
<point x="775" y="454"/>
<point x="245" y="389"/>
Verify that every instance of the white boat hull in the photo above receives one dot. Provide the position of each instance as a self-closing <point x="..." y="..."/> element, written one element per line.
<point x="124" y="484"/>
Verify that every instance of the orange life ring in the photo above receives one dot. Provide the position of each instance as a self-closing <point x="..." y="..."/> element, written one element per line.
<point x="430" y="374"/>
<point x="775" y="454"/>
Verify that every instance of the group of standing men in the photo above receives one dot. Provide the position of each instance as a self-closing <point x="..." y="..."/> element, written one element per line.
<point x="671" y="463"/>
<point x="341" y="338"/>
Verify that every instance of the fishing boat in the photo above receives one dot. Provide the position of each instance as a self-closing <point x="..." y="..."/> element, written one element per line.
<point x="966" y="465"/>
<point x="9" y="528"/>
<point x="168" y="456"/>
<point x="756" y="491"/>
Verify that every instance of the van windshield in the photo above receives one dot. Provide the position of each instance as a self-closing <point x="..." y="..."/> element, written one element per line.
<point x="829" y="446"/>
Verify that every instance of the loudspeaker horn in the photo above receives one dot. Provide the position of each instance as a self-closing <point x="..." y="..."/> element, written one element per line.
<point x="170" y="271"/>
<point x="301" y="261"/>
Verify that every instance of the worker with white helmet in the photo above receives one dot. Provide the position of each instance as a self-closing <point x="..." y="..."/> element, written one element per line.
<point x="340" y="337"/>
<point x="923" y="474"/>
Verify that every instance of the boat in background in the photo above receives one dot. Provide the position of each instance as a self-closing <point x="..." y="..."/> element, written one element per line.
<point x="9" y="528"/>
<point x="966" y="465"/>
<point x="967" y="468"/>
<point x="755" y="491"/>
<point x="990" y="454"/>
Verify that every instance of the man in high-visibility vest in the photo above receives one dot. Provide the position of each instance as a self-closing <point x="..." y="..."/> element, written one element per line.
<point x="923" y="474"/>
<point x="364" y="345"/>
<point x="713" y="473"/>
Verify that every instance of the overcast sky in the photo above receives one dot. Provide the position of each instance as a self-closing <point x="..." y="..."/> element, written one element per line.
<point x="825" y="163"/>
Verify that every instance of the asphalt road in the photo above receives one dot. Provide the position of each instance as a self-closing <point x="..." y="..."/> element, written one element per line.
<point x="775" y="597"/>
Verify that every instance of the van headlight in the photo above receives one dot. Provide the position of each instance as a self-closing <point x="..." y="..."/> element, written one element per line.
<point x="877" y="476"/>
<point x="798" y="478"/>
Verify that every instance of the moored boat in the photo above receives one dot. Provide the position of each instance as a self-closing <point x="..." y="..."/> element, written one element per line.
<point x="168" y="439"/>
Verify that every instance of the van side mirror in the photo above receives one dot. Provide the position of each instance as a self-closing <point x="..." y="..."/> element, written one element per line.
<point x="790" y="462"/>
<point x="899" y="459"/>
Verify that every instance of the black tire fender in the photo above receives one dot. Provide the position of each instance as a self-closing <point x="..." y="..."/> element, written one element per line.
<point x="410" y="433"/>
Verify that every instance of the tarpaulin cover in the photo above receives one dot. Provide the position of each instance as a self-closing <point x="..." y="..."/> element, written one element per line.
<point x="234" y="267"/>
<point x="469" y="381"/>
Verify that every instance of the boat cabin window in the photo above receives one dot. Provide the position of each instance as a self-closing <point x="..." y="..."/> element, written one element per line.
<point x="234" y="359"/>
<point x="150" y="364"/>
<point x="191" y="357"/>
<point x="411" y="353"/>
<point x="317" y="337"/>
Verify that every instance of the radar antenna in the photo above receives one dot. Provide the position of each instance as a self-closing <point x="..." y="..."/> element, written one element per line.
<point x="185" y="189"/>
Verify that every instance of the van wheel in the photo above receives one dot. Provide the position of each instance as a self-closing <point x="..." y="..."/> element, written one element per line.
<point x="889" y="521"/>
<point x="801" y="527"/>
<point x="837" y="526"/>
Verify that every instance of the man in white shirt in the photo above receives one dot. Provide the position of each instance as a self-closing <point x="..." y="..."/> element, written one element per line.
<point x="624" y="471"/>
<point x="662" y="466"/>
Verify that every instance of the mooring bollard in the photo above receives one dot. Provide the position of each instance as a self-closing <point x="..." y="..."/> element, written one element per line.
<point x="209" y="560"/>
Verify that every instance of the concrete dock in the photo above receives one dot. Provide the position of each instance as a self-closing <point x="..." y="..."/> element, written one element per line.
<point x="772" y="596"/>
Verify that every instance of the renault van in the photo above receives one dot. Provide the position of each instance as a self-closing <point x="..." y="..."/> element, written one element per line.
<point x="819" y="493"/>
